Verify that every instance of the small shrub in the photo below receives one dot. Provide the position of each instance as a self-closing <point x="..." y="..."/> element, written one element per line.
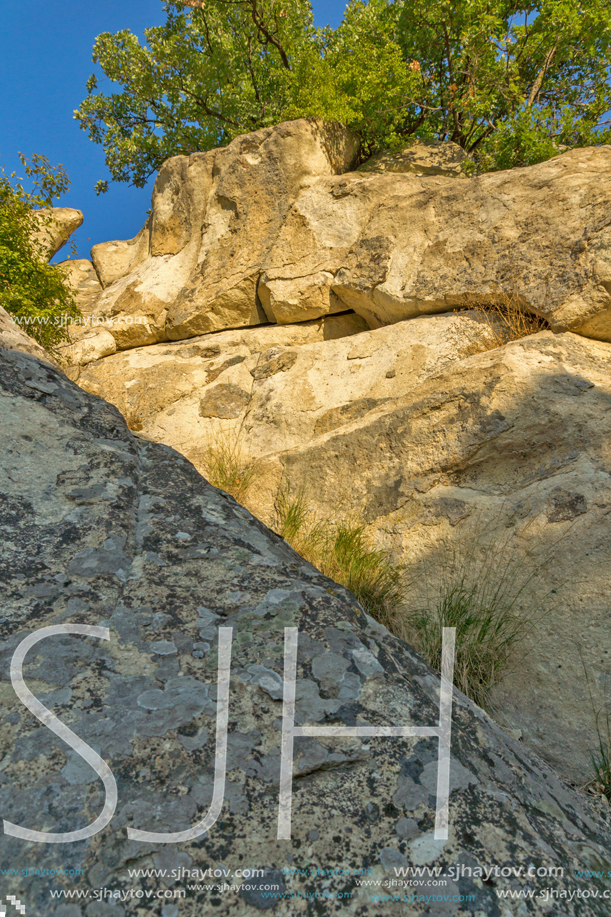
<point x="36" y="294"/>
<point x="227" y="467"/>
<point x="343" y="552"/>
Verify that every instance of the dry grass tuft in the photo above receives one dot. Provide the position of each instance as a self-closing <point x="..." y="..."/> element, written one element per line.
<point x="494" y="596"/>
<point x="226" y="465"/>
<point x="507" y="316"/>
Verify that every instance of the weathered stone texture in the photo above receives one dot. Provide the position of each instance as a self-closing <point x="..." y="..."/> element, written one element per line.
<point x="53" y="226"/>
<point x="101" y="527"/>
<point x="275" y="227"/>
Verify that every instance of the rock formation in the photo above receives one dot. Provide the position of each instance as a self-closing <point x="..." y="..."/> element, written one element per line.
<point x="282" y="385"/>
<point x="421" y="157"/>
<point x="12" y="337"/>
<point x="275" y="228"/>
<point x="421" y="422"/>
<point x="53" y="226"/>
<point x="103" y="529"/>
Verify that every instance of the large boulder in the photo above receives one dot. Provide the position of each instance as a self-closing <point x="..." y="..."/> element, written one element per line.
<point x="103" y="530"/>
<point x="397" y="246"/>
<point x="82" y="277"/>
<point x="195" y="265"/>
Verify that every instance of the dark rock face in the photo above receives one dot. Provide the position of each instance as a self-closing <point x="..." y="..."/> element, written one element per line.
<point x="104" y="529"/>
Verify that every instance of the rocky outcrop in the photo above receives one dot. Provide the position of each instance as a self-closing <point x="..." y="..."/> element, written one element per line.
<point x="505" y="452"/>
<point x="53" y="226"/>
<point x="408" y="421"/>
<point x="89" y="336"/>
<point x="102" y="529"/>
<point x="195" y="265"/>
<point x="396" y="246"/>
<point x="281" y="386"/>
<point x="275" y="228"/>
<point x="180" y="393"/>
<point x="83" y="279"/>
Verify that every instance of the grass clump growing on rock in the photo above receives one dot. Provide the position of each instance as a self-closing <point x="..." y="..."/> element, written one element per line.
<point x="601" y="760"/>
<point x="226" y="465"/>
<point x="600" y="757"/>
<point x="342" y="550"/>
<point x="491" y="594"/>
<point x="487" y="632"/>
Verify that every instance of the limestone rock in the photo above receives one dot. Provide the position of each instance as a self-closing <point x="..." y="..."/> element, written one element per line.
<point x="87" y="344"/>
<point x="159" y="389"/>
<point x="422" y="157"/>
<point x="435" y="443"/>
<point x="396" y="246"/>
<point x="272" y="227"/>
<point x="53" y="226"/>
<point x="195" y="266"/>
<point x="299" y="395"/>
<point x="84" y="281"/>
<point x="281" y="386"/>
<point x="109" y="531"/>
<point x="113" y="260"/>
<point x="89" y="338"/>
<point x="506" y="452"/>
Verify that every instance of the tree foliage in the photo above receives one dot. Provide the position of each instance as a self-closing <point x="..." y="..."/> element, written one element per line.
<point x="35" y="293"/>
<point x="512" y="82"/>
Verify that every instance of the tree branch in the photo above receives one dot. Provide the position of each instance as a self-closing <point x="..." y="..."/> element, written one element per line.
<point x="257" y="20"/>
<point x="536" y="87"/>
<point x="456" y="131"/>
<point x="211" y="112"/>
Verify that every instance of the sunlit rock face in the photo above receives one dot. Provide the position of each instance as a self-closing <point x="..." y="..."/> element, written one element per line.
<point x="274" y="227"/>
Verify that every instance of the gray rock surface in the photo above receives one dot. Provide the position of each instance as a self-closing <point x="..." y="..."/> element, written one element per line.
<point x="102" y="528"/>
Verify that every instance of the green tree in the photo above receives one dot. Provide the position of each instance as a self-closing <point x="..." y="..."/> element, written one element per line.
<point x="204" y="77"/>
<point x="512" y="82"/>
<point x="35" y="293"/>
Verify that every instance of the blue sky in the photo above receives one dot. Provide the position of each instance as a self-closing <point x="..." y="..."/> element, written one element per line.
<point x="45" y="60"/>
